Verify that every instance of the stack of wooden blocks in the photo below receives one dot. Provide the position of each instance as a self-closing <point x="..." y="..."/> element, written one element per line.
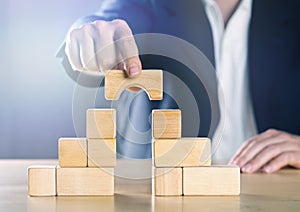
<point x="183" y="165"/>
<point x="86" y="165"/>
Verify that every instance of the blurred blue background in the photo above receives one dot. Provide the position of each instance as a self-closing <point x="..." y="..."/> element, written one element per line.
<point x="36" y="93"/>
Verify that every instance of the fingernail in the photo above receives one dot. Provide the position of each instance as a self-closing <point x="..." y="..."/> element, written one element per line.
<point x="247" y="168"/>
<point x="268" y="169"/>
<point x="235" y="162"/>
<point x="134" y="70"/>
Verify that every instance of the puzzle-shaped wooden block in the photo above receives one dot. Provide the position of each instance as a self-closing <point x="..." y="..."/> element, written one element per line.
<point x="116" y="82"/>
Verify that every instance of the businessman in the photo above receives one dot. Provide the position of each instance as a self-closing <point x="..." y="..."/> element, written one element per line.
<point x="254" y="46"/>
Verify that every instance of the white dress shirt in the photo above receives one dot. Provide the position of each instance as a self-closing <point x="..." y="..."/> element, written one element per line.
<point x="231" y="58"/>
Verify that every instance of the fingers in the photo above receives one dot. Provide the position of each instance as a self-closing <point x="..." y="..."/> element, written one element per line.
<point x="127" y="47"/>
<point x="281" y="161"/>
<point x="133" y="66"/>
<point x="271" y="150"/>
<point x="80" y="49"/>
<point x="102" y="45"/>
<point x="233" y="160"/>
<point x="87" y="55"/>
<point x="266" y="155"/>
<point x="72" y="50"/>
<point x="105" y="51"/>
<point x="256" y="145"/>
<point x="246" y="145"/>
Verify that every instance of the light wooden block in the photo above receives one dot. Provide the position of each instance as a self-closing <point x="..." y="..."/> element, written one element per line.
<point x="151" y="81"/>
<point x="183" y="152"/>
<point x="85" y="181"/>
<point x="101" y="123"/>
<point x="168" y="181"/>
<point x="166" y="124"/>
<point x="214" y="180"/>
<point x="102" y="152"/>
<point x="72" y="152"/>
<point x="42" y="180"/>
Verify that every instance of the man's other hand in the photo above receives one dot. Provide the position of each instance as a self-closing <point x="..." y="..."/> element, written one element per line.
<point x="268" y="151"/>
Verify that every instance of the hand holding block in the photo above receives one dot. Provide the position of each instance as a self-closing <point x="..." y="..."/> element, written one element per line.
<point x="72" y="152"/>
<point x="116" y="82"/>
<point x="166" y="124"/>
<point x="214" y="180"/>
<point x="183" y="152"/>
<point x="85" y="181"/>
<point x="42" y="180"/>
<point x="102" y="152"/>
<point x="168" y="181"/>
<point x="101" y="123"/>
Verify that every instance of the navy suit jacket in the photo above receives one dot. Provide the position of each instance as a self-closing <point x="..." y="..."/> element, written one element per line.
<point x="273" y="51"/>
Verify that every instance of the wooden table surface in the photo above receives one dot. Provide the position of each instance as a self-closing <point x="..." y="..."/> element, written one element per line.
<point x="259" y="192"/>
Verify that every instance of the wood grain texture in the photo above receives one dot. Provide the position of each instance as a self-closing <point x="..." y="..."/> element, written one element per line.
<point x="151" y="81"/>
<point x="214" y="180"/>
<point x="259" y="191"/>
<point x="42" y="180"/>
<point x="85" y="181"/>
<point x="183" y="152"/>
<point x="101" y="123"/>
<point x="166" y="124"/>
<point x="72" y="152"/>
<point x="102" y="152"/>
<point x="168" y="182"/>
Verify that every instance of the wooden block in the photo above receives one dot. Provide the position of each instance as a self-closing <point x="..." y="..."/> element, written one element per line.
<point x="72" y="152"/>
<point x="85" y="181"/>
<point x="168" y="181"/>
<point x="102" y="152"/>
<point x="42" y="180"/>
<point x="166" y="124"/>
<point x="214" y="180"/>
<point x="183" y="152"/>
<point x="101" y="123"/>
<point x="116" y="82"/>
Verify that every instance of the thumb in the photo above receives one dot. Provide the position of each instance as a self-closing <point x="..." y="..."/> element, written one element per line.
<point x="127" y="48"/>
<point x="133" y="66"/>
